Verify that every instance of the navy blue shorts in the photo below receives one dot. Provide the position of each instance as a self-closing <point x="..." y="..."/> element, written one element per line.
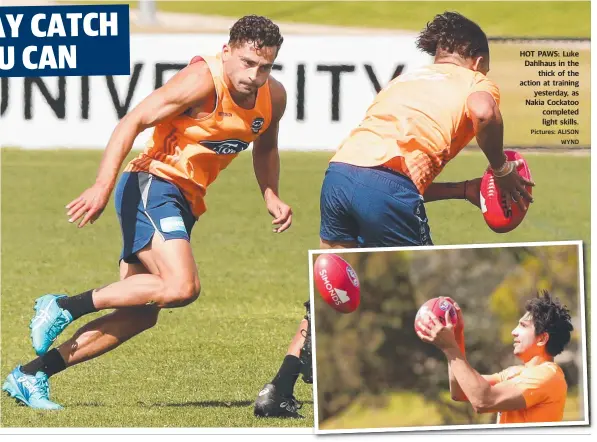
<point x="146" y="204"/>
<point x="372" y="206"/>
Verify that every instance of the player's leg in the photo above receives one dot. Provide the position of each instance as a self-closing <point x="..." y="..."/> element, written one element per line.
<point x="338" y="227"/>
<point x="300" y="348"/>
<point x="173" y="283"/>
<point x="323" y="244"/>
<point x="110" y="331"/>
<point x="28" y="384"/>
<point x="305" y="352"/>
<point x="170" y="260"/>
<point x="168" y="256"/>
<point x="166" y="259"/>
<point x="276" y="399"/>
<point x="147" y="208"/>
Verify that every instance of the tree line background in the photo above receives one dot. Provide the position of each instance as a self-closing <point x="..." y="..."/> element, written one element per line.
<point x="371" y="366"/>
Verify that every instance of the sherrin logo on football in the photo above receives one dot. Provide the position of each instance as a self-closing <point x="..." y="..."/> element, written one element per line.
<point x="444" y="306"/>
<point x="352" y="276"/>
<point x="330" y="288"/>
<point x="337" y="283"/>
<point x="439" y="307"/>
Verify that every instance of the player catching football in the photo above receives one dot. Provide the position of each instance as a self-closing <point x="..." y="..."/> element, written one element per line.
<point x="374" y="190"/>
<point x="532" y="392"/>
<point x="204" y="117"/>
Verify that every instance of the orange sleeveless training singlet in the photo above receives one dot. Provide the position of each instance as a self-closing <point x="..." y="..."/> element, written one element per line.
<point x="190" y="153"/>
<point x="417" y="123"/>
<point x="544" y="389"/>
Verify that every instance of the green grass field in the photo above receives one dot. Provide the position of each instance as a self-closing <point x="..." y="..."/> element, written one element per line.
<point x="498" y="18"/>
<point x="203" y="365"/>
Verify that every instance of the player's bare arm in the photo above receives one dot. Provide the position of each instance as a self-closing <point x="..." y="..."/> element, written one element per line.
<point x="456" y="392"/>
<point x="488" y="126"/>
<point x="468" y="190"/>
<point x="187" y="88"/>
<point x="266" y="161"/>
<point x="484" y="397"/>
<point x="489" y="130"/>
<point x="476" y="388"/>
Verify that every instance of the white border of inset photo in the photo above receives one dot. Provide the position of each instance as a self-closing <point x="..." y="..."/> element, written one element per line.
<point x="501" y="427"/>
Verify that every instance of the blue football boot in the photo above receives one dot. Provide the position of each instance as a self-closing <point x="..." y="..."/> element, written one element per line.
<point x="33" y="391"/>
<point x="49" y="321"/>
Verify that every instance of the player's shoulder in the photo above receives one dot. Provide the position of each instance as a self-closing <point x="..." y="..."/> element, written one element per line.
<point x="194" y="79"/>
<point x="546" y="371"/>
<point x="199" y="67"/>
<point x="553" y="369"/>
<point x="481" y="78"/>
<point x="277" y="90"/>
<point x="480" y="82"/>
<point x="278" y="97"/>
<point x="511" y="372"/>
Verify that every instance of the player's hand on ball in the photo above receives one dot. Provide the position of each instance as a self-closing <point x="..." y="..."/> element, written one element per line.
<point x="473" y="192"/>
<point x="459" y="326"/>
<point x="89" y="205"/>
<point x="281" y="212"/>
<point x="434" y="332"/>
<point x="513" y="185"/>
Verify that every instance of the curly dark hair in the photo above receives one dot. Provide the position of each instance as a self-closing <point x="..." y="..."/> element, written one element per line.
<point x="453" y="33"/>
<point x="260" y="31"/>
<point x="551" y="317"/>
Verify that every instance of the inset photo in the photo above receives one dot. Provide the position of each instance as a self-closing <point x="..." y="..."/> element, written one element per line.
<point x="459" y="337"/>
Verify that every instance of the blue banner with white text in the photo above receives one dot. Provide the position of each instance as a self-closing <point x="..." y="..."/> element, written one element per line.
<point x="83" y="40"/>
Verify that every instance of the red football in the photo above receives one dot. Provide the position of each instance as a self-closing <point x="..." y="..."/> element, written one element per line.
<point x="493" y="202"/>
<point x="438" y="307"/>
<point x="337" y="283"/>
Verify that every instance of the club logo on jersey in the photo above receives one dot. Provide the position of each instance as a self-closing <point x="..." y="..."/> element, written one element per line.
<point x="226" y="147"/>
<point x="257" y="124"/>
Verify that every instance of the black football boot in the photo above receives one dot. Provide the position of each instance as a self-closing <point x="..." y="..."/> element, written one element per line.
<point x="271" y="404"/>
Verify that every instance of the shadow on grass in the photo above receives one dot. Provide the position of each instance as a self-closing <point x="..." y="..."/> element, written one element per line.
<point x="87" y="404"/>
<point x="208" y="404"/>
